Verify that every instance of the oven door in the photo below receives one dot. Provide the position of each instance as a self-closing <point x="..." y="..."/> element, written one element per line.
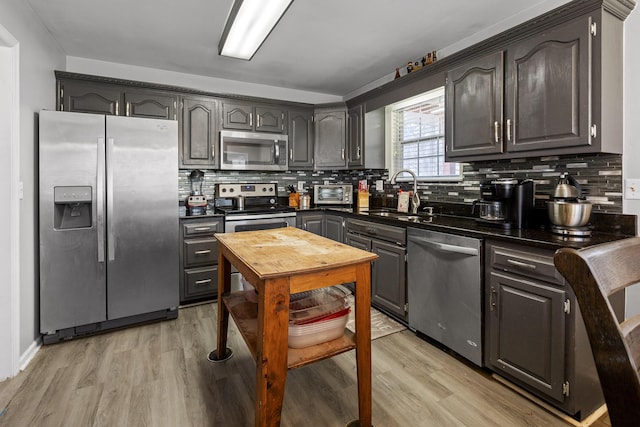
<point x="267" y="221"/>
<point x="237" y="223"/>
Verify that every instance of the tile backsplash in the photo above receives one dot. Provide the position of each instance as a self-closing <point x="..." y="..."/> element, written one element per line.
<point x="600" y="176"/>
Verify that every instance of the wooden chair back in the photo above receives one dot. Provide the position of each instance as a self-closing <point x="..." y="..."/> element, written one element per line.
<point x="595" y="274"/>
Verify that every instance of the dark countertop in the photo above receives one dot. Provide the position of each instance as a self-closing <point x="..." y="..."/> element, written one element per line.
<point x="467" y="226"/>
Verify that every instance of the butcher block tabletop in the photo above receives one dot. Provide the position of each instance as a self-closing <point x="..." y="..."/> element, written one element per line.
<point x="290" y="251"/>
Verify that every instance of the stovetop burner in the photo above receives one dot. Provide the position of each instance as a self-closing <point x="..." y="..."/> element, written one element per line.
<point x="582" y="232"/>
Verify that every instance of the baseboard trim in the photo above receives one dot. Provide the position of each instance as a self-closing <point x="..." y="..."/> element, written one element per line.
<point x="30" y="353"/>
<point x="566" y="418"/>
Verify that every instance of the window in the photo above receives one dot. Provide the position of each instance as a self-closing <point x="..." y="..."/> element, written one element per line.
<point x="417" y="138"/>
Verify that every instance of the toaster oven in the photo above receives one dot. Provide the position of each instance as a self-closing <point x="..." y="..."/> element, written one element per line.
<point x="333" y="194"/>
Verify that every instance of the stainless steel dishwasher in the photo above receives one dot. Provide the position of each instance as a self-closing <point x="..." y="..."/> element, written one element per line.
<point x="444" y="287"/>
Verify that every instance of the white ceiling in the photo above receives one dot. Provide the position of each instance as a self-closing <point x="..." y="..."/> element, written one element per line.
<point x="327" y="46"/>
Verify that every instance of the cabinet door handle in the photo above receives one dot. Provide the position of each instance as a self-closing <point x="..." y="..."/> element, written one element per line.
<point x="127" y="111"/>
<point x="342" y="153"/>
<point x="509" y="130"/>
<point x="213" y="151"/>
<point x="117" y="108"/>
<point x="206" y="251"/>
<point x="359" y="152"/>
<point x="202" y="229"/>
<point x="492" y="300"/>
<point x="521" y="264"/>
<point x="250" y="119"/>
<point x="496" y="131"/>
<point x="291" y="154"/>
<point x="202" y="282"/>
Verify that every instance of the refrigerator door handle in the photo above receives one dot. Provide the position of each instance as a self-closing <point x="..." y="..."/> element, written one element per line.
<point x="111" y="246"/>
<point x="100" y="199"/>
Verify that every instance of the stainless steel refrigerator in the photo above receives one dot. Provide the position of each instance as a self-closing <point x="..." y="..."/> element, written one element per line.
<point x="108" y="225"/>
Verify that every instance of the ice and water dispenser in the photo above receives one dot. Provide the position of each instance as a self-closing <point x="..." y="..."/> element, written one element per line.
<point x="72" y="207"/>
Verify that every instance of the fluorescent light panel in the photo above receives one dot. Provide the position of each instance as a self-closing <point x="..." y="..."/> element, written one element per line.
<point x="248" y="25"/>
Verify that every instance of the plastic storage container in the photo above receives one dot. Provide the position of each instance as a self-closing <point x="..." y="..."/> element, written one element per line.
<point x="306" y="307"/>
<point x="309" y="334"/>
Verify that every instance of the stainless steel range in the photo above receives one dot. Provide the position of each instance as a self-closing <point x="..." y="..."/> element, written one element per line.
<point x="253" y="206"/>
<point x="249" y="207"/>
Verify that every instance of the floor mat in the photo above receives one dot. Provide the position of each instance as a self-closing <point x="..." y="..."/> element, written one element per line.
<point x="381" y="324"/>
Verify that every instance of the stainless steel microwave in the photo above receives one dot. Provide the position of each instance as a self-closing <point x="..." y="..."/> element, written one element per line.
<point x="332" y="194"/>
<point x="253" y="151"/>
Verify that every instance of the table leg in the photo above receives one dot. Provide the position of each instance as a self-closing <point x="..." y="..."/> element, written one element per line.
<point x="363" y="341"/>
<point x="222" y="353"/>
<point x="272" y="351"/>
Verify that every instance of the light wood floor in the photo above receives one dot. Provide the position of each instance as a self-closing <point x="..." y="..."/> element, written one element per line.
<point x="158" y="375"/>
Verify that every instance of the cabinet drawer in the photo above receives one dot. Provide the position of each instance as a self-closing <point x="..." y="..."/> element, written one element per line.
<point x="536" y="265"/>
<point x="200" y="281"/>
<point x="202" y="228"/>
<point x="200" y="252"/>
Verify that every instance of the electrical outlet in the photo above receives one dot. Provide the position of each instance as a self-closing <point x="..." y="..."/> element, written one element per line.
<point x="300" y="185"/>
<point x="379" y="185"/>
<point x="632" y="188"/>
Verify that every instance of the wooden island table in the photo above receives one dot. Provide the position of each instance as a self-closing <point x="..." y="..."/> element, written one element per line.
<point x="278" y="263"/>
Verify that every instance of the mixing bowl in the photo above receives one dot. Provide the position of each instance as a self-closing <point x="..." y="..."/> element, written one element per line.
<point x="565" y="213"/>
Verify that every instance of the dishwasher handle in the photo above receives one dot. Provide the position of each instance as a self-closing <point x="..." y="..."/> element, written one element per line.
<point x="445" y="247"/>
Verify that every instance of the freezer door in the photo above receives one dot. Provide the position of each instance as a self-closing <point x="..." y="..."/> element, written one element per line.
<point x="72" y="261"/>
<point x="142" y="215"/>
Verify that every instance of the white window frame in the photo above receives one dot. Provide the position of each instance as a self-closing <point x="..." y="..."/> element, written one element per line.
<point x="389" y="142"/>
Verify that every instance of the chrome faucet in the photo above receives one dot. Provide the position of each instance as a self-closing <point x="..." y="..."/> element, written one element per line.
<point x="415" y="200"/>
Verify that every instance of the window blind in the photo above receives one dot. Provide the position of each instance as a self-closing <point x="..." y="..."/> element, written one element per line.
<point x="418" y="137"/>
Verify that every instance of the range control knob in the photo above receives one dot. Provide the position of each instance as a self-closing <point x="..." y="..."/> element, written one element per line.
<point x="264" y="189"/>
<point x="224" y="190"/>
<point x="231" y="190"/>
<point x="270" y="188"/>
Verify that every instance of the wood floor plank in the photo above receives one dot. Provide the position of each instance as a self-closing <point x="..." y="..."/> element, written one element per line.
<point x="158" y="375"/>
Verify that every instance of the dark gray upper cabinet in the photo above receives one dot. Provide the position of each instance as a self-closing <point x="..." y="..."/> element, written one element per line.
<point x="300" y="138"/>
<point x="474" y="94"/>
<point x="548" y="89"/>
<point x="559" y="94"/>
<point x="331" y="138"/>
<point x="248" y="116"/>
<point x="99" y="98"/>
<point x="83" y="97"/>
<point x="198" y="132"/>
<point x="144" y="103"/>
<point x="355" y="136"/>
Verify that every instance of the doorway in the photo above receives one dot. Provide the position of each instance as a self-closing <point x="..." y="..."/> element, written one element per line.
<point x="9" y="218"/>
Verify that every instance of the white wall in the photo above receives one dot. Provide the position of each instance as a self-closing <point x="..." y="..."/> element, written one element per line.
<point x="9" y="222"/>
<point x="39" y="55"/>
<point x="631" y="164"/>
<point x="208" y="84"/>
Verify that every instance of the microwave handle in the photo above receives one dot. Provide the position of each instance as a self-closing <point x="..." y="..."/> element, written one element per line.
<point x="277" y="154"/>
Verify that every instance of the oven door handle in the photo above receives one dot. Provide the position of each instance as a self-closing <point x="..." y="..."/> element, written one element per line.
<point x="254" y="227"/>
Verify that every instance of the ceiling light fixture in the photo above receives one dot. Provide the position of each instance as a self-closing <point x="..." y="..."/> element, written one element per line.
<point x="248" y="25"/>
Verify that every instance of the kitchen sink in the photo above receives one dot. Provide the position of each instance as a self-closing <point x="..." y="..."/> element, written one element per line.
<point x="401" y="216"/>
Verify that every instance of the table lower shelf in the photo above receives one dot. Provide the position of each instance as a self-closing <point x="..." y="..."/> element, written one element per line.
<point x="245" y="314"/>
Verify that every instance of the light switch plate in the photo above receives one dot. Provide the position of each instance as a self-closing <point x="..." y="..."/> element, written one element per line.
<point x="632" y="188"/>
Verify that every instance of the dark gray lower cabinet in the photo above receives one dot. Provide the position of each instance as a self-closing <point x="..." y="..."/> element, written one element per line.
<point x="534" y="333"/>
<point x="199" y="258"/>
<point x="334" y="227"/>
<point x="389" y="271"/>
<point x="311" y="221"/>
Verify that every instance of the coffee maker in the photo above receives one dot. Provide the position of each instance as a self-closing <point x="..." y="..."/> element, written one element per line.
<point x="196" y="202"/>
<point x="506" y="203"/>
